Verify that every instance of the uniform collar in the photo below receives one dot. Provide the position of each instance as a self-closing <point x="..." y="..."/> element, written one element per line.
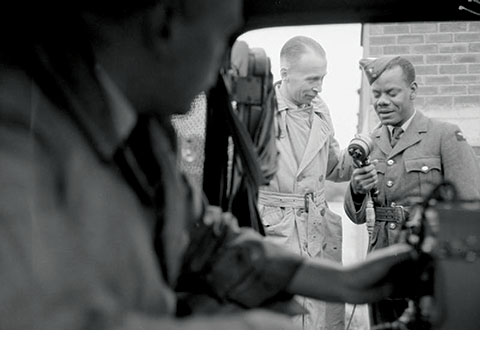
<point x="405" y="125"/>
<point x="121" y="111"/>
<point x="89" y="96"/>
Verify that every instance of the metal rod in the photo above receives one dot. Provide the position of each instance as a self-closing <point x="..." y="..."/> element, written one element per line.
<point x="462" y="8"/>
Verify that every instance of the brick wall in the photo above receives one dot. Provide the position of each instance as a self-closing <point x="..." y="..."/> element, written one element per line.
<point x="446" y="56"/>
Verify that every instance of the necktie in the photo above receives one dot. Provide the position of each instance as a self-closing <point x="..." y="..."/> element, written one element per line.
<point x="395" y="136"/>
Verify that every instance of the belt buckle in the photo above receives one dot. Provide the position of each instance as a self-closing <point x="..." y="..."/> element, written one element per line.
<point x="399" y="214"/>
<point x="307" y="203"/>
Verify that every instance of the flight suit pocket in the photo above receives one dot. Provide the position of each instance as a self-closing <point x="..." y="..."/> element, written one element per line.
<point x="332" y="246"/>
<point x="271" y="216"/>
<point x="277" y="221"/>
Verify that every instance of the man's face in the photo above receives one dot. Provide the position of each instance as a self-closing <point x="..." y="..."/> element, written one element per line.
<point x="200" y="46"/>
<point x="303" y="81"/>
<point x="393" y="97"/>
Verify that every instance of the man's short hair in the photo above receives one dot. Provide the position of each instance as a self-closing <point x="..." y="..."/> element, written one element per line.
<point x="295" y="47"/>
<point x="406" y="66"/>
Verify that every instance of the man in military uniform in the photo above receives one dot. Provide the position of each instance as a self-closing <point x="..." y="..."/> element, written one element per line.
<point x="411" y="154"/>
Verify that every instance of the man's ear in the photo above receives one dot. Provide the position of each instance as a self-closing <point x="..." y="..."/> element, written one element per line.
<point x="413" y="90"/>
<point x="284" y="74"/>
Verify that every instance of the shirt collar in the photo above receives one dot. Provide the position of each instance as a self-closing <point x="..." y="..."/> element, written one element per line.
<point x="405" y="125"/>
<point x="122" y="113"/>
<point x="283" y="103"/>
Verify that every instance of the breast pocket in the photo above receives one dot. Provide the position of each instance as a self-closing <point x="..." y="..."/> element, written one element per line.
<point x="427" y="171"/>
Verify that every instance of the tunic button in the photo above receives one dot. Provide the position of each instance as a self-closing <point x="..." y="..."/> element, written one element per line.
<point x="389" y="184"/>
<point x="299" y="212"/>
<point x="320" y="178"/>
<point x="390" y="162"/>
<point x="425" y="169"/>
<point x="300" y="178"/>
<point x="392" y="225"/>
<point x="322" y="212"/>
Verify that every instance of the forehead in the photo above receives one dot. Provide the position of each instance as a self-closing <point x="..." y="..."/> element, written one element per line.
<point x="393" y="77"/>
<point x="310" y="63"/>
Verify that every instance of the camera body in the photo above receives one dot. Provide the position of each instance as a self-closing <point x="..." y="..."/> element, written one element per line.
<point x="456" y="226"/>
<point x="445" y="231"/>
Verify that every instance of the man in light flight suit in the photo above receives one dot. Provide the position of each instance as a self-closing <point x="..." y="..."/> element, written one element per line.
<point x="293" y="206"/>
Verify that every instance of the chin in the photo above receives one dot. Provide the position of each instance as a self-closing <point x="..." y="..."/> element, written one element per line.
<point x="307" y="100"/>
<point x="181" y="110"/>
<point x="178" y="107"/>
<point x="387" y="119"/>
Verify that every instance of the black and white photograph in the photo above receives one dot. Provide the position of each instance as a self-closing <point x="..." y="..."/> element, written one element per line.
<point x="232" y="165"/>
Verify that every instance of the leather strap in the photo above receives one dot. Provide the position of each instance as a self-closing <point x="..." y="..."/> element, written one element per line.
<point x="391" y="214"/>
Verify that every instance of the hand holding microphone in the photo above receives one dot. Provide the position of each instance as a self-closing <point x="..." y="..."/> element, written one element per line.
<point x="364" y="177"/>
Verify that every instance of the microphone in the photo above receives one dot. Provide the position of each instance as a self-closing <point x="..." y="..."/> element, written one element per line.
<point x="359" y="148"/>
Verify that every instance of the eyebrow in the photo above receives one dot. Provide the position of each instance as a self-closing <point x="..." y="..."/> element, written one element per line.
<point x="387" y="90"/>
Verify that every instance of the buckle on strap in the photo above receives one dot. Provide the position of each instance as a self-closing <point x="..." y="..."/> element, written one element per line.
<point x="307" y="203"/>
<point x="396" y="214"/>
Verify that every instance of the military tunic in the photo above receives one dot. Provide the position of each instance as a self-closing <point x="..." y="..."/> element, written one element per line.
<point x="428" y="152"/>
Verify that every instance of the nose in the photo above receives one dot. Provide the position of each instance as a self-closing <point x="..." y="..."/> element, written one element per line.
<point x="317" y="88"/>
<point x="382" y="100"/>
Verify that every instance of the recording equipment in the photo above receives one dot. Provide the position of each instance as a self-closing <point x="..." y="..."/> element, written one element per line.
<point x="359" y="148"/>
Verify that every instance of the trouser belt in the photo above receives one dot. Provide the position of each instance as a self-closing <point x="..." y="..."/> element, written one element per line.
<point x="289" y="200"/>
<point x="396" y="214"/>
